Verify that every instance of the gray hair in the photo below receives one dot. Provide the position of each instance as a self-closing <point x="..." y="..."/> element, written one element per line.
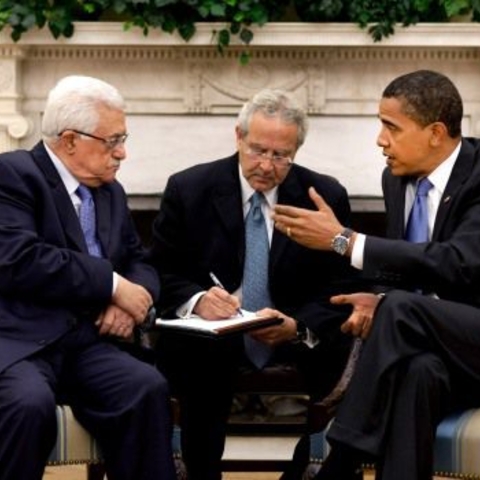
<point x="274" y="103"/>
<point x="73" y="102"/>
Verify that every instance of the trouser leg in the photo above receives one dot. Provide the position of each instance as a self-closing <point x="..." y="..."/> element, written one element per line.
<point x="417" y="410"/>
<point x="203" y="426"/>
<point x="201" y="372"/>
<point x="125" y="404"/>
<point x="27" y="421"/>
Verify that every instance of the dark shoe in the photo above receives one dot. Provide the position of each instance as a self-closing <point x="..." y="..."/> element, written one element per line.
<point x="356" y="475"/>
<point x="342" y="463"/>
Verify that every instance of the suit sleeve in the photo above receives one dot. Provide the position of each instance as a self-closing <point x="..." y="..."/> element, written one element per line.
<point x="37" y="259"/>
<point x="171" y="252"/>
<point x="130" y="257"/>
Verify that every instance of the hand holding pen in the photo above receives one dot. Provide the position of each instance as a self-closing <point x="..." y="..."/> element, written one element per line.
<point x="219" y="284"/>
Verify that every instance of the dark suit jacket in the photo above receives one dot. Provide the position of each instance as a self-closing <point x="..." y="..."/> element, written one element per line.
<point x="48" y="282"/>
<point x="200" y="228"/>
<point x="449" y="265"/>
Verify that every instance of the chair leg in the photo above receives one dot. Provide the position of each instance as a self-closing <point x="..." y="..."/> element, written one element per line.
<point x="95" y="471"/>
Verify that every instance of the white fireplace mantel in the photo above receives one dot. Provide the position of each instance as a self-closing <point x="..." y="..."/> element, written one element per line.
<point x="183" y="98"/>
<point x="282" y="34"/>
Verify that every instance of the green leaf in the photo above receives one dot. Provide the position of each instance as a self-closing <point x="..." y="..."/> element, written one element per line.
<point x="223" y="39"/>
<point x="455" y="7"/>
<point x="244" y="58"/>
<point x="29" y="21"/>
<point x="164" y="3"/>
<point x="239" y="17"/>
<point x="16" y="34"/>
<point x="235" y="28"/>
<point x="187" y="31"/>
<point x="475" y="10"/>
<point x="218" y="10"/>
<point x="246" y="36"/>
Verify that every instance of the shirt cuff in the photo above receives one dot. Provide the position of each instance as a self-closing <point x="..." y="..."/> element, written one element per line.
<point x="185" y="310"/>
<point x="356" y="259"/>
<point x="114" y="283"/>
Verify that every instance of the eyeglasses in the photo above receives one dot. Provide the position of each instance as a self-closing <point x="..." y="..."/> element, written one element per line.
<point x="110" y="142"/>
<point x="260" y="154"/>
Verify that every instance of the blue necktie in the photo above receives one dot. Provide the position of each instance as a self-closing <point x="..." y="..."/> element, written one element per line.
<point x="417" y="225"/>
<point x="88" y="221"/>
<point x="255" y="292"/>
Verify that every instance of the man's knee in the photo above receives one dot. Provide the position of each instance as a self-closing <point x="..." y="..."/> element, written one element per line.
<point x="399" y="301"/>
<point x="149" y="379"/>
<point x="426" y="368"/>
<point x="401" y="310"/>
<point x="32" y="406"/>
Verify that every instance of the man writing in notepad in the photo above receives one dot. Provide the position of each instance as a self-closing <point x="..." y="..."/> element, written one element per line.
<point x="216" y="218"/>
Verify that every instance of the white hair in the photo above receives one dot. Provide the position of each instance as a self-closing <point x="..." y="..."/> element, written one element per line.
<point x="73" y="104"/>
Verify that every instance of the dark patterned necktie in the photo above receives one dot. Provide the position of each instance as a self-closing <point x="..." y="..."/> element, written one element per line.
<point x="255" y="291"/>
<point x="417" y="225"/>
<point x="88" y="220"/>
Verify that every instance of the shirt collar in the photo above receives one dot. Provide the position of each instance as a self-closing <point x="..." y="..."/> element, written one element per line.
<point x="247" y="191"/>
<point x="70" y="182"/>
<point x="440" y="176"/>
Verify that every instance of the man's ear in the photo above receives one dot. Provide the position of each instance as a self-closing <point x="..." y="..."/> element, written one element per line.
<point x="68" y="141"/>
<point x="438" y="133"/>
<point x="240" y="136"/>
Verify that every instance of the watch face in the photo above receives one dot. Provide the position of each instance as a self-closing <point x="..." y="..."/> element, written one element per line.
<point x="340" y="244"/>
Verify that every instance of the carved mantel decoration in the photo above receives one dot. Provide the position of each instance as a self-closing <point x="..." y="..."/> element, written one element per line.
<point x="182" y="98"/>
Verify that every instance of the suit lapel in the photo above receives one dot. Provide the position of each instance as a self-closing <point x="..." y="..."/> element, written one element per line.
<point x="63" y="203"/>
<point x="396" y="213"/>
<point x="227" y="203"/>
<point x="460" y="174"/>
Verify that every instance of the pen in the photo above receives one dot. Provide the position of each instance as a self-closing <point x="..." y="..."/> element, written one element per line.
<point x="219" y="284"/>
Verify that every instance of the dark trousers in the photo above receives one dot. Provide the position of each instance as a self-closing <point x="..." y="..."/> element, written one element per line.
<point x="122" y="401"/>
<point x="419" y="362"/>
<point x="203" y="372"/>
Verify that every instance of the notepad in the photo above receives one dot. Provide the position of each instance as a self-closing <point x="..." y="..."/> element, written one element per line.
<point x="232" y="325"/>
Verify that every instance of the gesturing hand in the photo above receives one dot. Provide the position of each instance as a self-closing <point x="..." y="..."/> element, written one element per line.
<point x="313" y="229"/>
<point x="360" y="321"/>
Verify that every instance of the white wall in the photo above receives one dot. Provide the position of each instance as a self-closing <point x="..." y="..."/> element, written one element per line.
<point x="159" y="146"/>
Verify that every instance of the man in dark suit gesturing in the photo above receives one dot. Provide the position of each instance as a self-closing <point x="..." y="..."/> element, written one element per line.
<point x="420" y="357"/>
<point x="202" y="228"/>
<point x="73" y="278"/>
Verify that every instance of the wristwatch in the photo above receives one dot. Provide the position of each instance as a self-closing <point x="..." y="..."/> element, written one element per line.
<point x="341" y="241"/>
